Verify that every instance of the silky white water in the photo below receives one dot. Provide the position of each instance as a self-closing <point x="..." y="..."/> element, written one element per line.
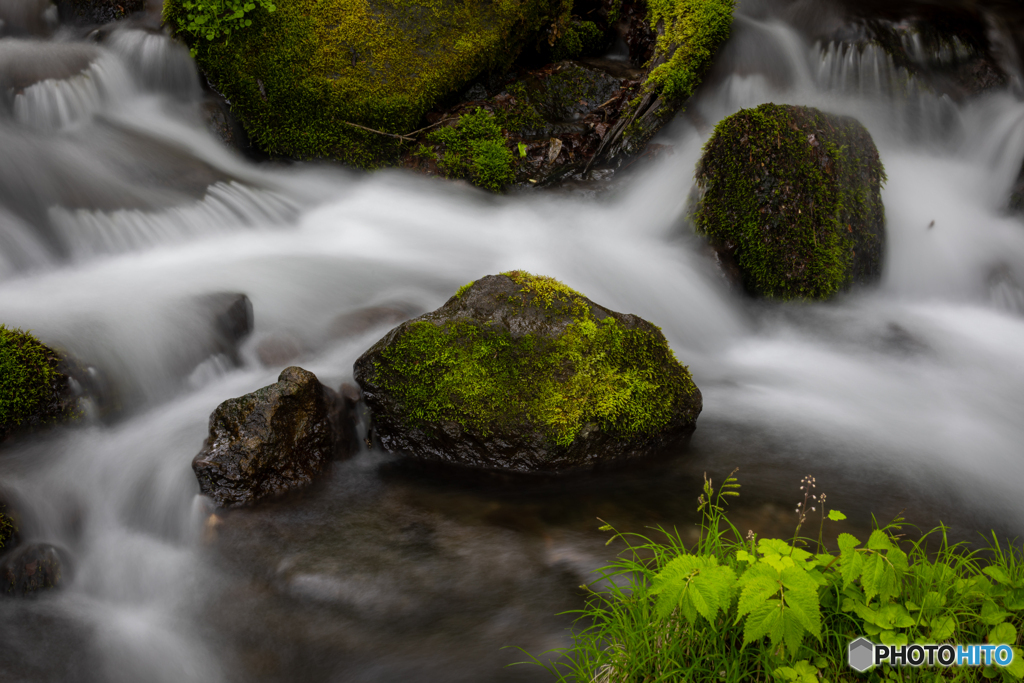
<point x="107" y="235"/>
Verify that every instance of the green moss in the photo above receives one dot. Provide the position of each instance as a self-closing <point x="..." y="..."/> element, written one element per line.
<point x="627" y="381"/>
<point x="28" y="373"/>
<point x="796" y="194"/>
<point x="521" y="115"/>
<point x="475" y="148"/>
<point x="693" y="31"/>
<point x="579" y="39"/>
<point x="296" y="78"/>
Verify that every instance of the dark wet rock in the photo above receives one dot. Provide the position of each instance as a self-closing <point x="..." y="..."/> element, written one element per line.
<point x="520" y="373"/>
<point x="956" y="49"/>
<point x="789" y="198"/>
<point x="96" y="11"/>
<point x="362" y="320"/>
<point x="231" y="318"/>
<point x="31" y="569"/>
<point x="276" y="439"/>
<point x="27" y="17"/>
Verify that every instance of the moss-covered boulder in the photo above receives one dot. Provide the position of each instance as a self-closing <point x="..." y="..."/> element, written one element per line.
<point x="303" y="78"/>
<point x="790" y="198"/>
<point x="34" y="384"/>
<point x="689" y="33"/>
<point x="520" y="373"/>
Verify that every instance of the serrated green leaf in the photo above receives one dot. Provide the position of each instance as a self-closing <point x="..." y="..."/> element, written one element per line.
<point x="851" y="562"/>
<point x="847" y="542"/>
<point x="836" y="515"/>
<point x="879" y="540"/>
<point x="793" y="631"/>
<point x="754" y="593"/>
<point x="764" y="620"/>
<point x="801" y="597"/>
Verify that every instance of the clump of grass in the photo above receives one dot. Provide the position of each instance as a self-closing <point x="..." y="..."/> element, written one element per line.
<point x="475" y="148"/>
<point x="737" y="608"/>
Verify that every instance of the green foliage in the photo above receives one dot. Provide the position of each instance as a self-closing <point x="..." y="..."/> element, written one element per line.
<point x="474" y="148"/>
<point x="795" y="195"/>
<point x="597" y="371"/>
<point x="693" y="31"/>
<point x="732" y="608"/>
<point x="297" y="77"/>
<point x="28" y="372"/>
<point x="579" y="39"/>
<point x="213" y="19"/>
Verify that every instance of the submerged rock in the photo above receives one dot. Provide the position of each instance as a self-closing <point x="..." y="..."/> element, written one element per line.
<point x="31" y="569"/>
<point x="790" y="200"/>
<point x="36" y="388"/>
<point x="519" y="372"/>
<point x="273" y="440"/>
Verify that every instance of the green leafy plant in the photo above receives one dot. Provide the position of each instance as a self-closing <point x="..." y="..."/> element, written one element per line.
<point x="475" y="148"/>
<point x="212" y="19"/>
<point x="738" y="608"/>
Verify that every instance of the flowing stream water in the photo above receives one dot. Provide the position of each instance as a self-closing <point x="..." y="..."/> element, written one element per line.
<point x="118" y="209"/>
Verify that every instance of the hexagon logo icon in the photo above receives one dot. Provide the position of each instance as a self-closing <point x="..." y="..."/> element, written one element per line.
<point x="861" y="654"/>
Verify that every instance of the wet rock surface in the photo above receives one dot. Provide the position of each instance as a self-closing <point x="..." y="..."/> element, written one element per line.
<point x="789" y="199"/>
<point x="97" y="11"/>
<point x="276" y="439"/>
<point x="31" y="569"/>
<point x="515" y="347"/>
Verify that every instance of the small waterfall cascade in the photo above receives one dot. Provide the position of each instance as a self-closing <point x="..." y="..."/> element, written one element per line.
<point x="868" y="72"/>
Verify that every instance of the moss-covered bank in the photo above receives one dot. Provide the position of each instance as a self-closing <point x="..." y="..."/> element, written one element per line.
<point x="520" y="372"/>
<point x="298" y="77"/>
<point x="32" y="387"/>
<point x="791" y="196"/>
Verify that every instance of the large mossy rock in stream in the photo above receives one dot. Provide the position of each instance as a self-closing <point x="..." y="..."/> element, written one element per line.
<point x="298" y="77"/>
<point x="35" y="386"/>
<point x="520" y="373"/>
<point x="790" y="199"/>
<point x="276" y="439"/>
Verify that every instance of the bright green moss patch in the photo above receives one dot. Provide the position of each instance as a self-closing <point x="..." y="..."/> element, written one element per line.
<point x="297" y="77"/>
<point x="474" y="148"/>
<point x="28" y="372"/>
<point x="693" y="31"/>
<point x="578" y="39"/>
<point x="793" y="195"/>
<point x="479" y="375"/>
